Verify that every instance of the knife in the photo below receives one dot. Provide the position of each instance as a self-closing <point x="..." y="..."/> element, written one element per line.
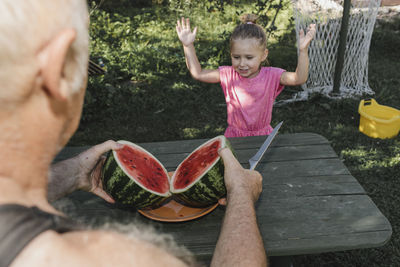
<point x="256" y="158"/>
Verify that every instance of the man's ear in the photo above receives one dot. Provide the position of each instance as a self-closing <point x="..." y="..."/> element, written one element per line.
<point x="52" y="58"/>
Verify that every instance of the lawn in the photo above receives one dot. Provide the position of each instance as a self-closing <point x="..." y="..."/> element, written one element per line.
<point x="148" y="95"/>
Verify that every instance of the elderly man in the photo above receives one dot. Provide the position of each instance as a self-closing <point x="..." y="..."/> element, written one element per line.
<point x="43" y="72"/>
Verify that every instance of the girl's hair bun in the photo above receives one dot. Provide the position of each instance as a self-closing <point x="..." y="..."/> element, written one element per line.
<point x="249" y="29"/>
<point x="249" y="18"/>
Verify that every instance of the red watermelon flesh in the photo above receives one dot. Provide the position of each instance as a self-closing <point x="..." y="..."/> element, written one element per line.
<point x="196" y="165"/>
<point x="144" y="169"/>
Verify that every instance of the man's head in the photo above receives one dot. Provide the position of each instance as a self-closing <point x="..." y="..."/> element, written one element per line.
<point x="44" y="51"/>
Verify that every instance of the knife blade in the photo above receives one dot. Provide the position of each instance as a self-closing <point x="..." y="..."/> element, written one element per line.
<point x="256" y="158"/>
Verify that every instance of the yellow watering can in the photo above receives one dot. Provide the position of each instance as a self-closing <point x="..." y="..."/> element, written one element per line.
<point x="378" y="121"/>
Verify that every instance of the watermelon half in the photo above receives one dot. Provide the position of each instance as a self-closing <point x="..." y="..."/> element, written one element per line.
<point x="133" y="176"/>
<point x="199" y="180"/>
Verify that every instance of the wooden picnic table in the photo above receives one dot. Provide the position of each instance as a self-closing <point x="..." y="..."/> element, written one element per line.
<point x="310" y="201"/>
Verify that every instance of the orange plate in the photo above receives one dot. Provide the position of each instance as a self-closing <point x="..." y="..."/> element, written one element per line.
<point x="173" y="211"/>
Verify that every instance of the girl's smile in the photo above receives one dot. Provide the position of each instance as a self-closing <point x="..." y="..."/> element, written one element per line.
<point x="247" y="56"/>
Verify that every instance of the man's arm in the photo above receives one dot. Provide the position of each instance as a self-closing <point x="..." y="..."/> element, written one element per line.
<point x="301" y="74"/>
<point x="240" y="242"/>
<point x="82" y="172"/>
<point x="187" y="37"/>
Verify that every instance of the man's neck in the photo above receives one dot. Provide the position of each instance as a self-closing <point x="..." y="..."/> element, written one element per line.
<point x="23" y="176"/>
<point x="13" y="193"/>
<point x="27" y="147"/>
<point x="25" y="157"/>
<point x="26" y="164"/>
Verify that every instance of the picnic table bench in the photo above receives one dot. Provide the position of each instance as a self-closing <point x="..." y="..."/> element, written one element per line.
<point x="310" y="201"/>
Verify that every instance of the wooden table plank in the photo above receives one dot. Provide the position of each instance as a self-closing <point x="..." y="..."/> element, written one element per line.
<point x="187" y="146"/>
<point x="294" y="139"/>
<point x="298" y="168"/>
<point x="287" y="227"/>
<point x="310" y="201"/>
<point x="171" y="160"/>
<point x="309" y="186"/>
<point x="273" y="154"/>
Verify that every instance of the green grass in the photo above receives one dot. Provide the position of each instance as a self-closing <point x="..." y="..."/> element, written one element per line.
<point x="147" y="95"/>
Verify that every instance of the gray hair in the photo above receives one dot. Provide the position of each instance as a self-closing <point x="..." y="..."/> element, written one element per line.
<point x="25" y="27"/>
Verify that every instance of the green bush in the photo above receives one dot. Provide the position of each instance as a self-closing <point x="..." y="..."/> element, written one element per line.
<point x="147" y="93"/>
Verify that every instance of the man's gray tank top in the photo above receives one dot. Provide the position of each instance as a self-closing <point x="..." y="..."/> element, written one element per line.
<point x="20" y="224"/>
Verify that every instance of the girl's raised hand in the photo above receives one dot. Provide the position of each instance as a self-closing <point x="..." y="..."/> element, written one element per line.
<point x="305" y="40"/>
<point x="186" y="36"/>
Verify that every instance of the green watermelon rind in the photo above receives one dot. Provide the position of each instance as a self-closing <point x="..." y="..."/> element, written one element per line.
<point x="210" y="187"/>
<point x="125" y="190"/>
<point x="206" y="191"/>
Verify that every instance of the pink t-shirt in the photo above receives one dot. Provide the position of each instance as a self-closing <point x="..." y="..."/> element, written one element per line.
<point x="249" y="101"/>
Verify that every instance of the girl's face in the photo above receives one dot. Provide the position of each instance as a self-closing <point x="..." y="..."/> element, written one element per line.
<point x="246" y="56"/>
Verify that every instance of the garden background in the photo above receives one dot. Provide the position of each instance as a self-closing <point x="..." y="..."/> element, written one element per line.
<point x="148" y="95"/>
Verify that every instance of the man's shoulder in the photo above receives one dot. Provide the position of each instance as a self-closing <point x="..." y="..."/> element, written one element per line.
<point x="63" y="244"/>
<point x="51" y="249"/>
<point x="91" y="248"/>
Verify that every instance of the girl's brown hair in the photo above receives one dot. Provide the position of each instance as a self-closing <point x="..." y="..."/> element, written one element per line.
<point x="249" y="29"/>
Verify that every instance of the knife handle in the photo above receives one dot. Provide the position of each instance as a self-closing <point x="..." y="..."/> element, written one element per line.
<point x="253" y="164"/>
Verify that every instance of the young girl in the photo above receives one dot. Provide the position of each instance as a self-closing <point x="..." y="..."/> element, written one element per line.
<point x="250" y="90"/>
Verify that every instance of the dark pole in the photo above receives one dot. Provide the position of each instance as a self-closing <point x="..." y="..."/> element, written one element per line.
<point x="342" y="47"/>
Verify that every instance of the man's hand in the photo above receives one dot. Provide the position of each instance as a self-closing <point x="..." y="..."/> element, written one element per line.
<point x="305" y="40"/>
<point x="186" y="36"/>
<point x="239" y="233"/>
<point x="82" y="172"/>
<point x="90" y="164"/>
<point x="239" y="181"/>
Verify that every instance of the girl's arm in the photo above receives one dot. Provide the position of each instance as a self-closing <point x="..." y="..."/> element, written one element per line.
<point x="301" y="74"/>
<point x="187" y="37"/>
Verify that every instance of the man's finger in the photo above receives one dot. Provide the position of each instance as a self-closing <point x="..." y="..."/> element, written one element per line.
<point x="101" y="193"/>
<point x="228" y="158"/>
<point x="108" y="145"/>
<point x="98" y="150"/>
<point x="222" y="201"/>
<point x="96" y="173"/>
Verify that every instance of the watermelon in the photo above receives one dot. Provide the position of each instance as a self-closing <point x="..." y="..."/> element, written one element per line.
<point x="133" y="176"/>
<point x="199" y="180"/>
